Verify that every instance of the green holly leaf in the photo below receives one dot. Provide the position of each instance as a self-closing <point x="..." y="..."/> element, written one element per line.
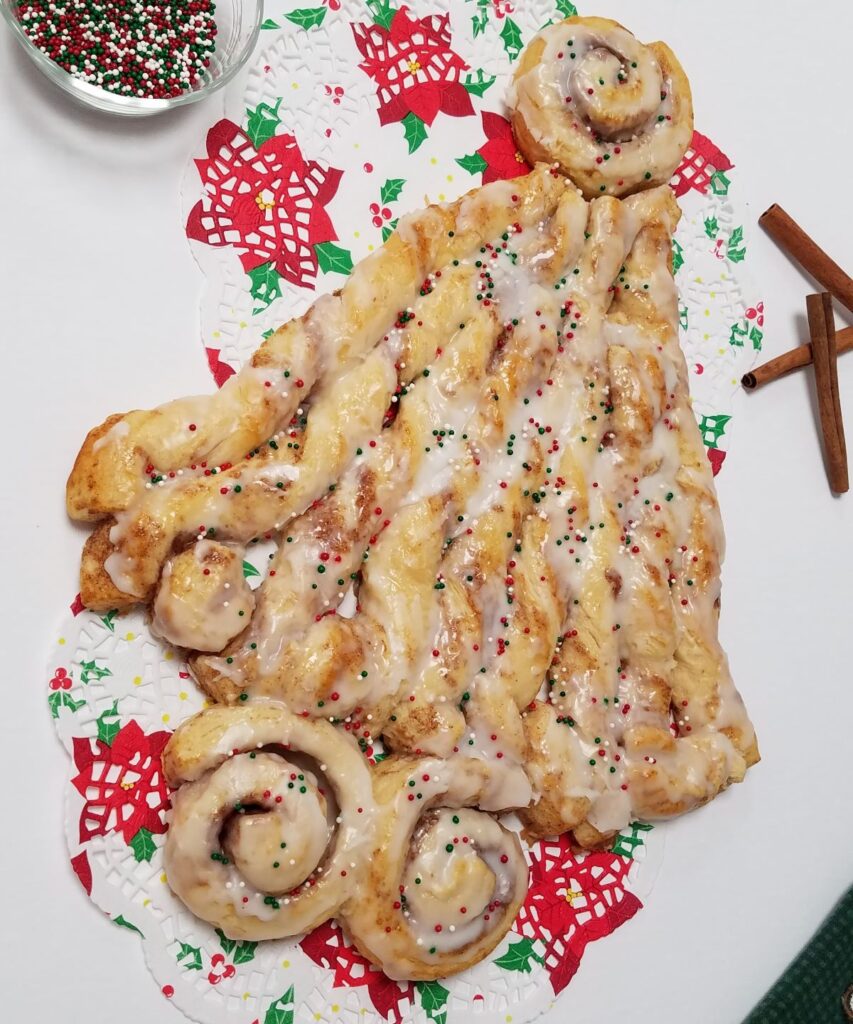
<point x="377" y="758"/>
<point x="62" y="699"/>
<point x="511" y="38"/>
<point x="124" y="923"/>
<point x="473" y="163"/>
<point x="391" y="189"/>
<point x="262" y="123"/>
<point x="720" y="183"/>
<point x="269" y="23"/>
<point x="227" y="944"/>
<point x="143" y="845"/>
<point x="756" y="336"/>
<point x="281" y="1011"/>
<point x="333" y="259"/>
<point x="388" y="229"/>
<point x="434" y="998"/>
<point x="712" y="429"/>
<point x="568" y="10"/>
<point x="109" y="619"/>
<point x="518" y="956"/>
<point x="189" y="957"/>
<point x="626" y="843"/>
<point x="479" y="22"/>
<point x="677" y="256"/>
<point x="245" y="952"/>
<point x="90" y="670"/>
<point x="479" y="82"/>
<point x="268" y="334"/>
<point x="682" y="317"/>
<point x="382" y="11"/>
<point x="307" y="17"/>
<point x="415" y="131"/>
<point x="108" y="725"/>
<point x="711" y="227"/>
<point x="735" y="250"/>
<point x="265" y="285"/>
<point x="249" y="571"/>
<point x="738" y="332"/>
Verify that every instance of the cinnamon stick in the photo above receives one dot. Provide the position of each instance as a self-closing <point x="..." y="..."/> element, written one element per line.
<point x="822" y="331"/>
<point x="794" y="360"/>
<point x="788" y="235"/>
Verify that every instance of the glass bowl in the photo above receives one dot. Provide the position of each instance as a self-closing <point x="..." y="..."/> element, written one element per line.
<point x="238" y="23"/>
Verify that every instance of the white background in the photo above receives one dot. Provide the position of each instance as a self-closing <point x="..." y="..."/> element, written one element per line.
<point x="100" y="299"/>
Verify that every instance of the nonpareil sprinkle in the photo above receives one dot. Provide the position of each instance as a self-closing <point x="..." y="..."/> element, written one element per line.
<point x="152" y="51"/>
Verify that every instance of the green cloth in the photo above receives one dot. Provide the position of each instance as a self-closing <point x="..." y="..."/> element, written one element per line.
<point x="812" y="989"/>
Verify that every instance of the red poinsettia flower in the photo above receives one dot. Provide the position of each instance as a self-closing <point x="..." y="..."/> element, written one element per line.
<point x="327" y="948"/>
<point x="502" y="156"/>
<point x="269" y="202"/>
<point x="415" y="70"/>
<point x="699" y="165"/>
<point x="573" y="901"/>
<point x="122" y="783"/>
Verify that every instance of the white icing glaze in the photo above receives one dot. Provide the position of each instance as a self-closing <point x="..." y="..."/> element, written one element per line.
<point x="120" y="429"/>
<point x="222" y="864"/>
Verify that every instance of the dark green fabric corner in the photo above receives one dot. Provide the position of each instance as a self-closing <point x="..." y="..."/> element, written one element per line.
<point x="811" y="989"/>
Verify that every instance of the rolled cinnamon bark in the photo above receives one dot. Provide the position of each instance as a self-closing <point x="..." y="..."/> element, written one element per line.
<point x="795" y="359"/>
<point x="788" y="235"/>
<point x="822" y="331"/>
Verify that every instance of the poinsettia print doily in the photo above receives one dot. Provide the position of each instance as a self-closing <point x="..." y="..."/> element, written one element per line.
<point x="351" y="113"/>
<point x="116" y="694"/>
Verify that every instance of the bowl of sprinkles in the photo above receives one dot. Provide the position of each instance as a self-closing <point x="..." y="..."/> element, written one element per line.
<point x="136" y="58"/>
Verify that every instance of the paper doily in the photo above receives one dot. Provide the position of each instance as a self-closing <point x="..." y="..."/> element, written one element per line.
<point x="116" y="693"/>
<point x="326" y="130"/>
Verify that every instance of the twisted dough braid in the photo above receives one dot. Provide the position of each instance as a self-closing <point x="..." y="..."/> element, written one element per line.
<point x="291" y="649"/>
<point x="638" y="648"/>
<point x="614" y="113"/>
<point x="203" y="454"/>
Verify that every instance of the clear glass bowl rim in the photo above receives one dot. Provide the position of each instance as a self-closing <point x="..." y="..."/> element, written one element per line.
<point x="109" y="102"/>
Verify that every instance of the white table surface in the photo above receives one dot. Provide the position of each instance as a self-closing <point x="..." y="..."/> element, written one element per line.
<point x="100" y="301"/>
